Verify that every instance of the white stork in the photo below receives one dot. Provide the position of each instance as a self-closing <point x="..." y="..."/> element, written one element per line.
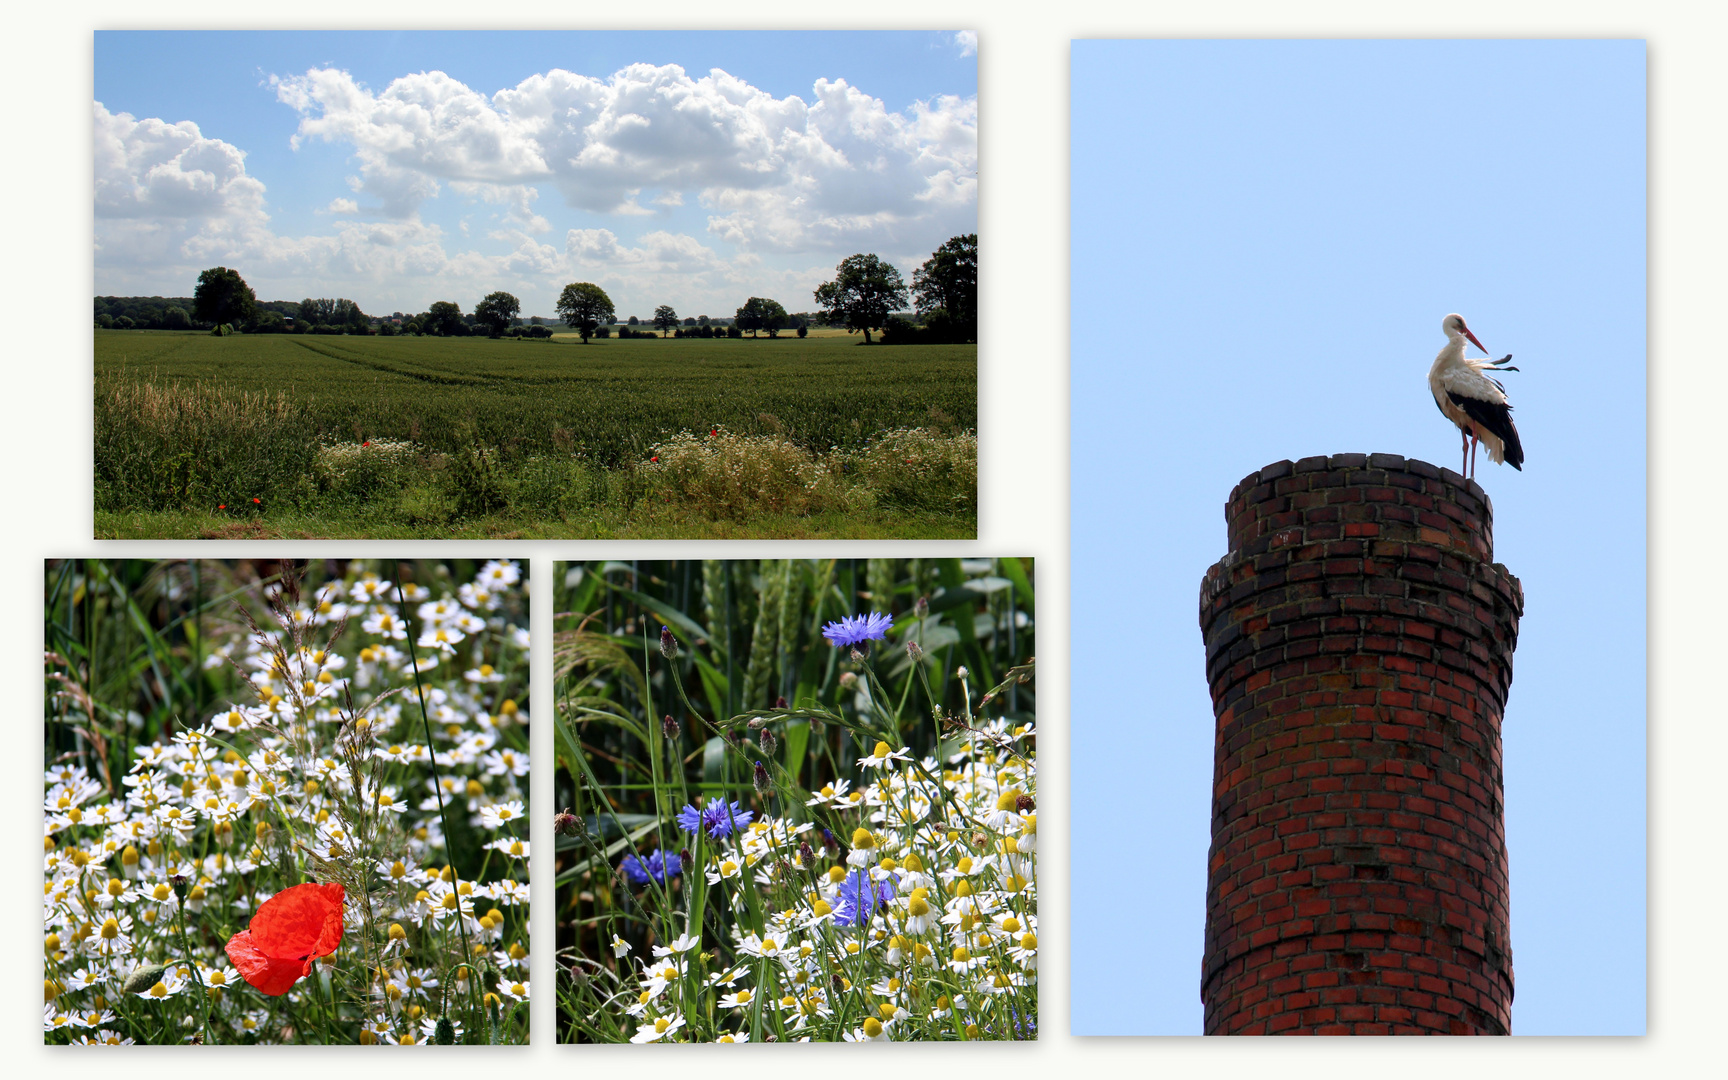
<point x="1476" y="402"/>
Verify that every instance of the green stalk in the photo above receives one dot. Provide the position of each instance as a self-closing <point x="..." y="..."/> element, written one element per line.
<point x="437" y="781"/>
<point x="197" y="975"/>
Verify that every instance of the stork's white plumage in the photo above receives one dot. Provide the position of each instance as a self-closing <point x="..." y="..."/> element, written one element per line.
<point x="1473" y="400"/>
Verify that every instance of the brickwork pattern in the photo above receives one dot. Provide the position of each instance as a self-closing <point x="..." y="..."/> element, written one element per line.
<point x="1359" y="644"/>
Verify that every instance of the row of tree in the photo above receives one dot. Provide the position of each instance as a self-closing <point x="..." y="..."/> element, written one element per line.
<point x="864" y="295"/>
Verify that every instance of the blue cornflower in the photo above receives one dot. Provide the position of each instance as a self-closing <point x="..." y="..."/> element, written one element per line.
<point x="657" y="867"/>
<point x="859" y="898"/>
<point x="857" y="629"/>
<point x="716" y="817"/>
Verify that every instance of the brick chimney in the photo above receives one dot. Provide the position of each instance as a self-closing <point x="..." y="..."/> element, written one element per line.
<point x="1359" y="641"/>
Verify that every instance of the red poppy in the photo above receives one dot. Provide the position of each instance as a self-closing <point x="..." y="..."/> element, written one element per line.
<point x="368" y="442"/>
<point x="221" y="506"/>
<point x="713" y="432"/>
<point x="255" y="500"/>
<point x="656" y="457"/>
<point x="289" y="931"/>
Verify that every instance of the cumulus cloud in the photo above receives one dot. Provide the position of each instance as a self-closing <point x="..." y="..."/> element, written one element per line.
<point x="148" y="168"/>
<point x="967" y="42"/>
<point x="517" y="199"/>
<point x="781" y="174"/>
<point x="784" y="187"/>
<point x="160" y="186"/>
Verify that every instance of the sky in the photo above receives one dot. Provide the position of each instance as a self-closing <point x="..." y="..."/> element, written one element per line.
<point x="1265" y="237"/>
<point x="399" y="168"/>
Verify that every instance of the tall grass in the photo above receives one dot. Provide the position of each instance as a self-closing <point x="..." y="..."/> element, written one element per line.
<point x="770" y="838"/>
<point x="162" y="446"/>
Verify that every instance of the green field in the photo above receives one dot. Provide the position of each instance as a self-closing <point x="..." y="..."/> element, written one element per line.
<point x="520" y="437"/>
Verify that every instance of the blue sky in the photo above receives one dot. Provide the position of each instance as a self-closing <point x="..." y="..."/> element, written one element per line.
<point x="399" y="168"/>
<point x="1265" y="236"/>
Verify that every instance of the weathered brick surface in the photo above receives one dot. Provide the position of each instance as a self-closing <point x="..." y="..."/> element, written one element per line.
<point x="1359" y="644"/>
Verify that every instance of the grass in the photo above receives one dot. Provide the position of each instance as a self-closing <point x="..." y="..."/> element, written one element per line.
<point x="865" y="863"/>
<point x="215" y="739"/>
<point x="339" y="436"/>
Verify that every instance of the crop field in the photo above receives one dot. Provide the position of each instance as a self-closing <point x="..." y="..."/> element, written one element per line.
<point x="472" y="429"/>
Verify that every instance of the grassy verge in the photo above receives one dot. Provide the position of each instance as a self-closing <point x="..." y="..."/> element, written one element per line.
<point x="193" y="461"/>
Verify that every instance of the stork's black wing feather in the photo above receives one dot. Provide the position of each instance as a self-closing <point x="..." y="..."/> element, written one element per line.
<point x="1496" y="418"/>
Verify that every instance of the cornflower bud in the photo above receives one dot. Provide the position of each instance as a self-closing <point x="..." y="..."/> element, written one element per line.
<point x="565" y="823"/>
<point x="806" y="855"/>
<point x="780" y="702"/>
<point x="669" y="728"/>
<point x="915" y="651"/>
<point x="860" y="651"/>
<point x="668" y="644"/>
<point x="684" y="857"/>
<point x="922" y="607"/>
<point x="180" y="885"/>
<point x="767" y="741"/>
<point x="828" y="842"/>
<point x="759" y="776"/>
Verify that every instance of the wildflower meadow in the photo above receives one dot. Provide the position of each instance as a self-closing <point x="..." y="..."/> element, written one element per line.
<point x="800" y="801"/>
<point x="285" y="803"/>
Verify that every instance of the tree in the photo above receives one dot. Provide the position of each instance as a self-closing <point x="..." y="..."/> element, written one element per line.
<point x="948" y="282"/>
<point x="312" y="312"/>
<point x="497" y="312"/>
<point x="759" y="313"/>
<point x="773" y="317"/>
<point x="347" y="313"/>
<point x="633" y="320"/>
<point x="444" y="318"/>
<point x="665" y="318"/>
<point x="582" y="305"/>
<point x="864" y="290"/>
<point x="175" y="318"/>
<point x="748" y="317"/>
<point x="222" y="296"/>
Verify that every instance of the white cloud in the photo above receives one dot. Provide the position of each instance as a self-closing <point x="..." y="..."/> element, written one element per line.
<point x="967" y="41"/>
<point x="518" y="199"/>
<point x="781" y="174"/>
<point x="151" y="169"/>
<point x="787" y="189"/>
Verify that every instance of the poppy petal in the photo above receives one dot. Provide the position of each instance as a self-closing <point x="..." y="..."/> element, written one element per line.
<point x="304" y="921"/>
<point x="289" y="931"/>
<point x="269" y="975"/>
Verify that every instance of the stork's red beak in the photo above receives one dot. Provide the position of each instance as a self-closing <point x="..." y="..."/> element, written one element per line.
<point x="1472" y="337"/>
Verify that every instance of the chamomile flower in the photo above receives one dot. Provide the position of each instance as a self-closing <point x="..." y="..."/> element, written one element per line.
<point x="500" y="815"/>
<point x="659" y="1028"/>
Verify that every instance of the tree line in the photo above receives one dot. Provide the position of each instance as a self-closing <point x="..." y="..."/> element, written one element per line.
<point x="865" y="295"/>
